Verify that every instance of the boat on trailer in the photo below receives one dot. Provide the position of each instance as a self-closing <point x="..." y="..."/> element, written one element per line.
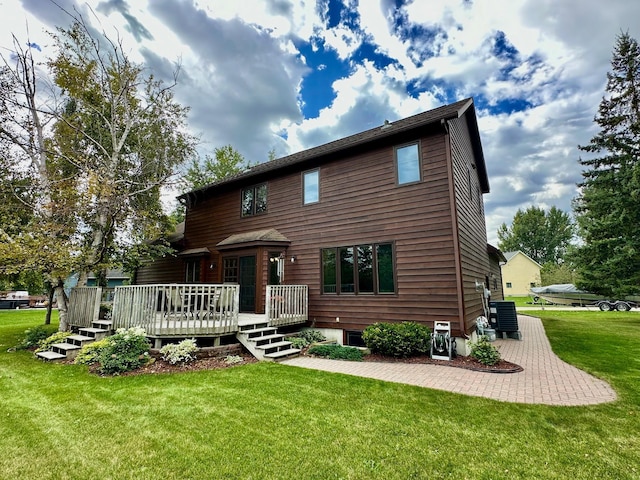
<point x="569" y="294"/>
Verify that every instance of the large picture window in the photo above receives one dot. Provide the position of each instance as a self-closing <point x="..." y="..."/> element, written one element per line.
<point x="311" y="187"/>
<point x="408" y="164"/>
<point x="254" y="200"/>
<point x="358" y="269"/>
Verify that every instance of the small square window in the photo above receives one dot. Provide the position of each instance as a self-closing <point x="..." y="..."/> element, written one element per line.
<point x="408" y="164"/>
<point x="509" y="285"/>
<point x="311" y="187"/>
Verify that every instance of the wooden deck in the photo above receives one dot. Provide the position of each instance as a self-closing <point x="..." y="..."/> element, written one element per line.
<point x="193" y="310"/>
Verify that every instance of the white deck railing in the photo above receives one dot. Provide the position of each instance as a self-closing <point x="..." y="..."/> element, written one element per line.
<point x="177" y="309"/>
<point x="287" y="304"/>
<point x="84" y="306"/>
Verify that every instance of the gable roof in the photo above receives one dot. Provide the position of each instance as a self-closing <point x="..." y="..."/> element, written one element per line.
<point x="496" y="252"/>
<point x="268" y="237"/>
<point x="510" y="255"/>
<point x="463" y="108"/>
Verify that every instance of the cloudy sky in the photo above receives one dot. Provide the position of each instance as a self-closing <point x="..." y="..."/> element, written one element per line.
<point x="292" y="74"/>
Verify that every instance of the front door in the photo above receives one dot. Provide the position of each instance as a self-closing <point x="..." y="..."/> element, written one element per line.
<point x="247" y="281"/>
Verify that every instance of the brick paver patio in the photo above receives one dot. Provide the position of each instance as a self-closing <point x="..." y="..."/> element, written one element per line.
<point x="545" y="379"/>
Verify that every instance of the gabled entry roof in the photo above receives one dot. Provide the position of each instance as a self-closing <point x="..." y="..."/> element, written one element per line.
<point x="270" y="237"/>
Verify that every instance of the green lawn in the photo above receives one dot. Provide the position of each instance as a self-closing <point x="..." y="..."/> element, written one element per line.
<point x="271" y="421"/>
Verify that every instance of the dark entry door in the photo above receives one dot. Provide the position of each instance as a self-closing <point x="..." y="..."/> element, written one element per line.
<point x="247" y="283"/>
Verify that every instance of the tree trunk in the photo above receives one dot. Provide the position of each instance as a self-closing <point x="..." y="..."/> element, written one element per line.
<point x="63" y="306"/>
<point x="47" y="319"/>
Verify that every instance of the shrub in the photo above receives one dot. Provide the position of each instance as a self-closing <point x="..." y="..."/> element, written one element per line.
<point x="337" y="352"/>
<point x="125" y="351"/>
<point x="90" y="353"/>
<point x="183" y="352"/>
<point x="484" y="351"/>
<point x="312" y="336"/>
<point x="233" y="359"/>
<point x="105" y="311"/>
<point x="306" y="338"/>
<point x="33" y="336"/>
<point x="45" y="344"/>
<point x="397" y="339"/>
<point x="297" y="342"/>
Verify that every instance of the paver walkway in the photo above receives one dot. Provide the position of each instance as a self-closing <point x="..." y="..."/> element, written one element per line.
<point x="545" y="379"/>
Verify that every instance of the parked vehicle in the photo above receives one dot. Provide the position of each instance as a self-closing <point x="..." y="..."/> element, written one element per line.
<point x="13" y="300"/>
<point x="568" y="294"/>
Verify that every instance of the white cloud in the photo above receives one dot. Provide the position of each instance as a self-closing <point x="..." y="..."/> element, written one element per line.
<point x="242" y="74"/>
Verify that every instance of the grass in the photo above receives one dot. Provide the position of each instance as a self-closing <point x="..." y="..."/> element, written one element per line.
<point x="521" y="301"/>
<point x="271" y="421"/>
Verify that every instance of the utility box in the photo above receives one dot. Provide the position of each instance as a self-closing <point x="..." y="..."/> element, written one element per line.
<point x="504" y="319"/>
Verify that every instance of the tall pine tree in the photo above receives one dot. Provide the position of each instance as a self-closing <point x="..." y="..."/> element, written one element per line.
<point x="608" y="207"/>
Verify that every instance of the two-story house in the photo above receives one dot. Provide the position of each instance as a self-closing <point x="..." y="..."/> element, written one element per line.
<point x="519" y="274"/>
<point x="384" y="225"/>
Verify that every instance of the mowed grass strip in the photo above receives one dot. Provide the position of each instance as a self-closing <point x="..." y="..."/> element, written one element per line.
<point x="271" y="421"/>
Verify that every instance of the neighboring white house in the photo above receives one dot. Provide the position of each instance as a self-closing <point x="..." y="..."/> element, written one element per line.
<point x="519" y="274"/>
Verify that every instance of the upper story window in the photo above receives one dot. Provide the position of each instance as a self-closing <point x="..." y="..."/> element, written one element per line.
<point x="408" y="163"/>
<point x="254" y="200"/>
<point x="311" y="187"/>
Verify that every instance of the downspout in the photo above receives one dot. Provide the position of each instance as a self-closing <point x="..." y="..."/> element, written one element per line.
<point x="454" y="228"/>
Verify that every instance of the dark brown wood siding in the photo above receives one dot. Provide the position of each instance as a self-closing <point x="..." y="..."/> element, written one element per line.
<point x="161" y="270"/>
<point x="471" y="228"/>
<point x="495" y="280"/>
<point x="360" y="203"/>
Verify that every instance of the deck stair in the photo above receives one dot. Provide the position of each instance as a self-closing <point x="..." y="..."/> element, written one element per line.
<point x="73" y="343"/>
<point x="264" y="342"/>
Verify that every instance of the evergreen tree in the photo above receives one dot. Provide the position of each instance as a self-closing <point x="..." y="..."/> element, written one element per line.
<point x="608" y="207"/>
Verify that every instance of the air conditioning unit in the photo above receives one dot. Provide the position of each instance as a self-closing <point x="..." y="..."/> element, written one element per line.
<point x="504" y="319"/>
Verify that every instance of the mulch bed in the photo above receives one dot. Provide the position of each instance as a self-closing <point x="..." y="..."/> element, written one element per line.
<point x="468" y="363"/>
<point x="205" y="362"/>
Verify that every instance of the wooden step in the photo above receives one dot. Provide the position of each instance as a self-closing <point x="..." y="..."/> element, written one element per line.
<point x="282" y="354"/>
<point x="106" y="324"/>
<point x="259" y="332"/>
<point x="95" y="333"/>
<point x="80" y="340"/>
<point x="267" y="339"/>
<point x="50" y="356"/>
<point x="252" y="326"/>
<point x="273" y="347"/>
<point x="64" y="348"/>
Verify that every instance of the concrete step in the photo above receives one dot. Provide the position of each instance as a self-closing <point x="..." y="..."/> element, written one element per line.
<point x="274" y="347"/>
<point x="282" y="354"/>
<point x="50" y="356"/>
<point x="80" y="340"/>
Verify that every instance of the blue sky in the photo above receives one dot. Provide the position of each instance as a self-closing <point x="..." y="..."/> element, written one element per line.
<point x="289" y="75"/>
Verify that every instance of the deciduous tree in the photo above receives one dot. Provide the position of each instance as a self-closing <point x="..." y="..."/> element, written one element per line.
<point x="226" y="162"/>
<point x="114" y="140"/>
<point x="543" y="236"/>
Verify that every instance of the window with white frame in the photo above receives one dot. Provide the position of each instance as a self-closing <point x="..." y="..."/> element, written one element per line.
<point x="311" y="187"/>
<point x="408" y="163"/>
